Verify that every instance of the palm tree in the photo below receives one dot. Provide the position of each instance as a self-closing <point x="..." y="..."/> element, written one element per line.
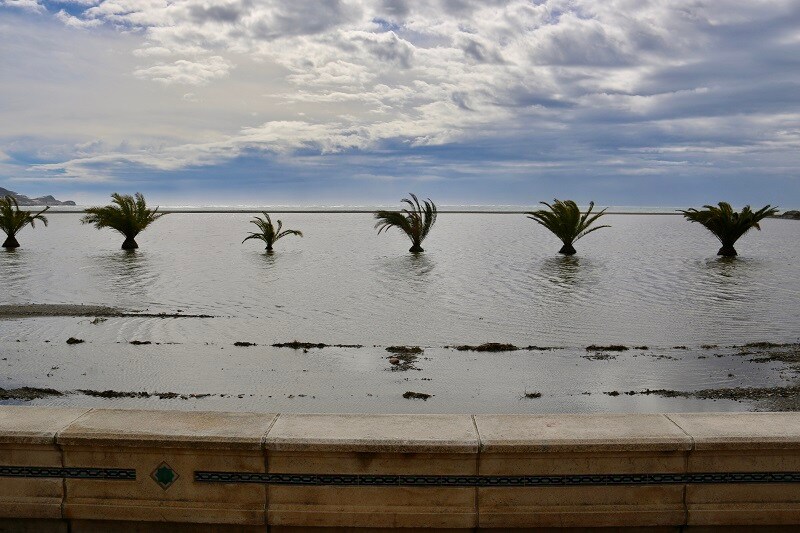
<point x="129" y="216"/>
<point x="565" y="221"/>
<point x="12" y="219"/>
<point x="416" y="221"/>
<point x="269" y="233"/>
<point x="726" y="224"/>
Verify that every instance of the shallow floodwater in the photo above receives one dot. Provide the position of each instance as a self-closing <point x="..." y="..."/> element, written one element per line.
<point x="649" y="280"/>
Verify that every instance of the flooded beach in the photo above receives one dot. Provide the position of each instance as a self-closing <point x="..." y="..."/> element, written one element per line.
<point x="191" y="320"/>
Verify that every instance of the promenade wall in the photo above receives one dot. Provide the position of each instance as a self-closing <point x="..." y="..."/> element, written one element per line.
<point x="87" y="470"/>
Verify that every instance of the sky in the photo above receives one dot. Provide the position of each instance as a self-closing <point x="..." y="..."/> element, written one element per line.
<point x="343" y="102"/>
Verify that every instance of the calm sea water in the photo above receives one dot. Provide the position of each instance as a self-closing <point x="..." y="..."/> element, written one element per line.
<point x="649" y="280"/>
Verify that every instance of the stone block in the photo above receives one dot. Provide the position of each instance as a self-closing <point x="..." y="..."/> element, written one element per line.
<point x="166" y="448"/>
<point x="372" y="444"/>
<point x="742" y="443"/>
<point x="568" y="445"/>
<point x="27" y="438"/>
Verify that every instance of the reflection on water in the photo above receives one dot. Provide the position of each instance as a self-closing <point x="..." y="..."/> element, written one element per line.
<point x="419" y="264"/>
<point x="562" y="270"/>
<point x="268" y="260"/>
<point x="14" y="268"/>
<point x="406" y="267"/>
<point x="129" y="273"/>
<point x="729" y="278"/>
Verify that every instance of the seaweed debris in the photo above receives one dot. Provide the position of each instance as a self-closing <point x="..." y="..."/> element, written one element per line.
<point x="73" y="340"/>
<point x="532" y="395"/>
<point x="730" y="393"/>
<point x="609" y="348"/>
<point x="162" y="315"/>
<point x="27" y="393"/>
<point x="410" y="395"/>
<point x="404" y="349"/>
<point x="765" y="352"/>
<point x="765" y="345"/>
<point x="486" y="347"/>
<point x="403" y="361"/>
<point x="244" y="343"/>
<point x="297" y="345"/>
<point x="142" y="394"/>
<point x="140" y="343"/>
<point x="599" y="356"/>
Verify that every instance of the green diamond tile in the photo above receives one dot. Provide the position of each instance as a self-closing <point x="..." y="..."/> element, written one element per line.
<point x="164" y="475"/>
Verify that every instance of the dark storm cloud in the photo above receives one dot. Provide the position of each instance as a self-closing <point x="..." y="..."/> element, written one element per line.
<point x="219" y="13"/>
<point x="302" y="18"/>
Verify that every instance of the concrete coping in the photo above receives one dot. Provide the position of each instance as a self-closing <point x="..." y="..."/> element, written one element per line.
<point x="579" y="433"/>
<point x="34" y="425"/>
<point x="170" y="429"/>
<point x="741" y="431"/>
<point x="373" y="433"/>
<point x="342" y="433"/>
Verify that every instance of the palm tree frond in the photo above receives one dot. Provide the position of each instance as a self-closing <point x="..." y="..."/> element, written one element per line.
<point x="267" y="232"/>
<point x="415" y="220"/>
<point x="565" y="221"/>
<point x="726" y="224"/>
<point x="13" y="219"/>
<point x="127" y="214"/>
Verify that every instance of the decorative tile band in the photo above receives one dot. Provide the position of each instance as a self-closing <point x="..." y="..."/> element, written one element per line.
<point x="122" y="474"/>
<point x="496" y="481"/>
<point x="373" y="480"/>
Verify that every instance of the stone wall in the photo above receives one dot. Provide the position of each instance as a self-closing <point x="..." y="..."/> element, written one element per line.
<point x="127" y="470"/>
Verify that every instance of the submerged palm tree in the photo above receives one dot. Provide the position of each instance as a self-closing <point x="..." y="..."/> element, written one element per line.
<point x="726" y="224"/>
<point x="127" y="215"/>
<point x="12" y="219"/>
<point x="269" y="233"/>
<point x="565" y="221"/>
<point x="416" y="221"/>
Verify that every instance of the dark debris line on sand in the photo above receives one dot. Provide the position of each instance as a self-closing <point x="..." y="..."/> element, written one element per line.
<point x="27" y="393"/>
<point x="54" y="310"/>
<point x="33" y="393"/>
<point x="498" y="347"/>
<point x="728" y="393"/>
<point x="297" y="345"/>
<point x="609" y="348"/>
<point x="404" y="349"/>
<point x="142" y="394"/>
<point x="410" y="395"/>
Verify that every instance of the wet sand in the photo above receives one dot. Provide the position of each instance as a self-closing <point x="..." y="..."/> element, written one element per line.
<point x="444" y="378"/>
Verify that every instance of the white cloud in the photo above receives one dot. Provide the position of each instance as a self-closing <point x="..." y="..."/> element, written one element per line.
<point x="182" y="71"/>
<point x="76" y="22"/>
<point x="26" y="5"/>
<point x="557" y="84"/>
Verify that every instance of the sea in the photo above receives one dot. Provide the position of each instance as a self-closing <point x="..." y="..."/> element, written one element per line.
<point x="652" y="283"/>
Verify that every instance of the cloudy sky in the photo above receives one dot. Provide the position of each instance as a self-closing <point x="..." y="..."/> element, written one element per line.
<point x="624" y="102"/>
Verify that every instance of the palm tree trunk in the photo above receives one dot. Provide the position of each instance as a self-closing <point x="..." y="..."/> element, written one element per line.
<point x="416" y="248"/>
<point x="129" y="244"/>
<point x="11" y="242"/>
<point x="567" y="249"/>
<point x="727" y="250"/>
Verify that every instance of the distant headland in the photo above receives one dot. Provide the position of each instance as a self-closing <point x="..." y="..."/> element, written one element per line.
<point x="42" y="200"/>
